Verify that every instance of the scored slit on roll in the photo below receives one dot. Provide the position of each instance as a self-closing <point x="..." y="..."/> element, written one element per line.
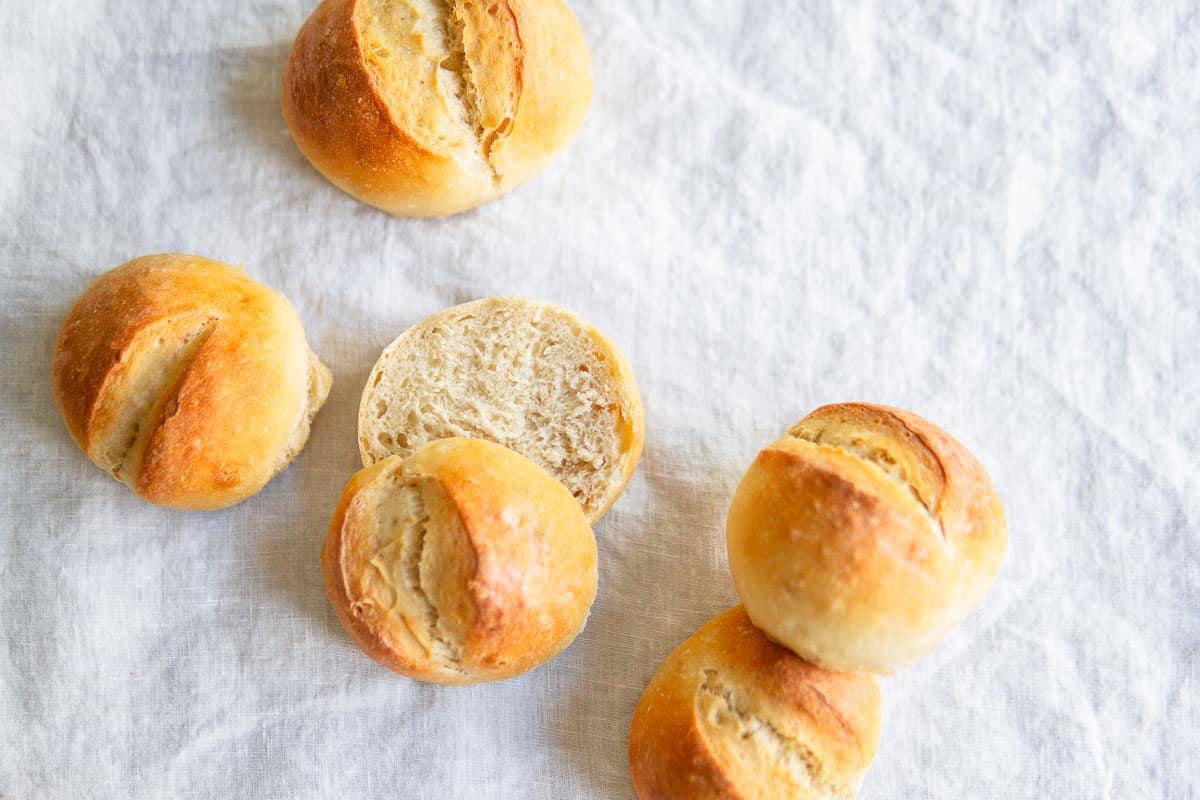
<point x="430" y="107"/>
<point x="863" y="536"/>
<point x="140" y="390"/>
<point x="186" y="380"/>
<point x="425" y="42"/>
<point x="754" y="737"/>
<point x="870" y="435"/>
<point x="465" y="562"/>
<point x="399" y="578"/>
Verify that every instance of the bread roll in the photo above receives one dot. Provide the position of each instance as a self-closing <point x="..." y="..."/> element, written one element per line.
<point x="528" y="375"/>
<point x="863" y="536"/>
<point x="429" y="107"/>
<point x="464" y="563"/>
<point x="732" y="716"/>
<point x="187" y="380"/>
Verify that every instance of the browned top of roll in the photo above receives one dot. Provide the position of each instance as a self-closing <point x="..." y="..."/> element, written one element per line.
<point x="465" y="562"/>
<point x="430" y="107"/>
<point x="187" y="380"/>
<point x="863" y="536"/>
<point x="732" y="716"/>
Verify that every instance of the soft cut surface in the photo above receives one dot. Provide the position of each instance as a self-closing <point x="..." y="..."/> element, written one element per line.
<point x="528" y="375"/>
<point x="862" y="537"/>
<point x="463" y="563"/>
<point x="730" y="715"/>
<point x="187" y="380"/>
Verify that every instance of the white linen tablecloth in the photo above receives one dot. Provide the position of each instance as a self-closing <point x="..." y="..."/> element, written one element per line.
<point x="986" y="212"/>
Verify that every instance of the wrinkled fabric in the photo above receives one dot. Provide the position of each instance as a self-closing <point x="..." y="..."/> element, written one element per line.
<point x="983" y="212"/>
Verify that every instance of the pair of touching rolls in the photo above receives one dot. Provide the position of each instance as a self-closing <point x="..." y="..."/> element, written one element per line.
<point x="494" y="435"/>
<point x="857" y="541"/>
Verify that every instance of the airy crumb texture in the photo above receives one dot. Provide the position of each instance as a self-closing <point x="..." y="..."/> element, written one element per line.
<point x="525" y="374"/>
<point x="730" y="715"/>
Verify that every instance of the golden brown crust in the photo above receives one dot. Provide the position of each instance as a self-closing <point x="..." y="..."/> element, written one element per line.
<point x="511" y="588"/>
<point x="391" y="138"/>
<point x="556" y="81"/>
<point x="633" y="417"/>
<point x="863" y="536"/>
<point x="730" y="715"/>
<point x="337" y="582"/>
<point x="186" y="379"/>
<point x="343" y="126"/>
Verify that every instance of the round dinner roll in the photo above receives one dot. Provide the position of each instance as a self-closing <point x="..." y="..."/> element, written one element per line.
<point x="187" y="380"/>
<point x="529" y="375"/>
<point x="863" y="536"/>
<point x="463" y="563"/>
<point x="731" y="715"/>
<point x="425" y="108"/>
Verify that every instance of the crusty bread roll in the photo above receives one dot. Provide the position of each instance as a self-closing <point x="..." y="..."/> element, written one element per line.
<point x="429" y="107"/>
<point x="528" y="375"/>
<point x="863" y="536"/>
<point x="187" y="380"/>
<point x="731" y="715"/>
<point x="463" y="563"/>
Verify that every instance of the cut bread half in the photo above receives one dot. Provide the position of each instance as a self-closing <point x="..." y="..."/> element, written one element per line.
<point x="525" y="374"/>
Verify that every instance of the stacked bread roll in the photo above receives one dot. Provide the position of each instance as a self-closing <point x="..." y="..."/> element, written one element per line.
<point x="493" y="435"/>
<point x="465" y="562"/>
<point x="856" y="541"/>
